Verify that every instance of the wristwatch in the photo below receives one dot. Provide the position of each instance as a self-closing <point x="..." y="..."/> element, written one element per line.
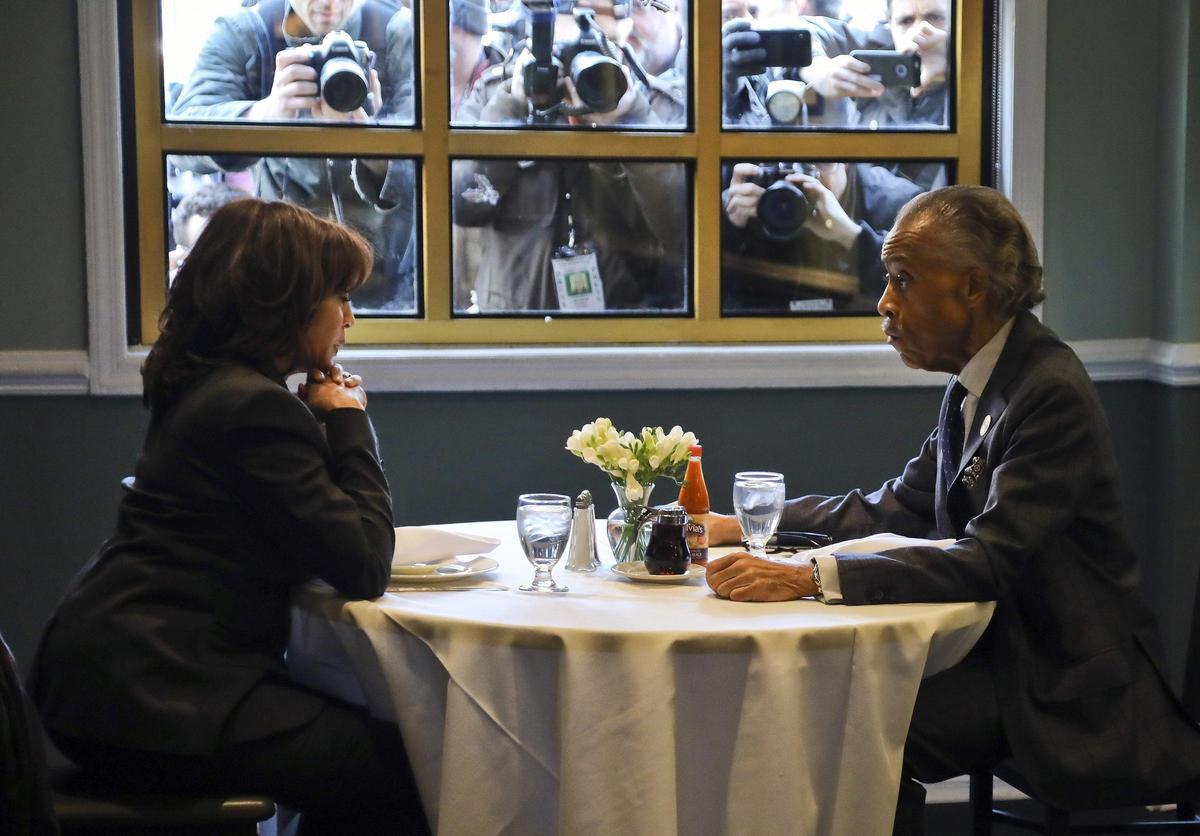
<point x="816" y="579"/>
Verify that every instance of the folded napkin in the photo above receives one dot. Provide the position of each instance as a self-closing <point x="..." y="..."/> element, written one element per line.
<point x="876" y="543"/>
<point x="420" y="546"/>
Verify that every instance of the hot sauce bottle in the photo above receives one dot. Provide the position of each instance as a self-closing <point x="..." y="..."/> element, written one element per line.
<point x="693" y="496"/>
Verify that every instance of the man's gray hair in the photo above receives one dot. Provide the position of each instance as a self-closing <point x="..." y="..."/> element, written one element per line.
<point x="977" y="228"/>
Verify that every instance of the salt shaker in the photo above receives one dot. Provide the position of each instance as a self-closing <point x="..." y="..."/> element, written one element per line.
<point x="581" y="552"/>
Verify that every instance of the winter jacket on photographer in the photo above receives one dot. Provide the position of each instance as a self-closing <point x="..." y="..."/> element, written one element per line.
<point x="632" y="216"/>
<point x="235" y="69"/>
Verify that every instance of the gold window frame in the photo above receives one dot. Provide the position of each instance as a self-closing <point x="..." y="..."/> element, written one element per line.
<point x="434" y="144"/>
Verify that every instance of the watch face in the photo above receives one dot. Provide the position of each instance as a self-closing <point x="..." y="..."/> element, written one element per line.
<point x="784" y="106"/>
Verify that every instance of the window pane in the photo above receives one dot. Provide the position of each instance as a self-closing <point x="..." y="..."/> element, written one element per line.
<point x="868" y="69"/>
<point x="222" y="62"/>
<point x="377" y="197"/>
<point x="608" y="63"/>
<point x="805" y="237"/>
<point x="570" y="236"/>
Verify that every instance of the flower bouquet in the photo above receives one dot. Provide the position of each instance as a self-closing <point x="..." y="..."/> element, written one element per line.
<point x="632" y="462"/>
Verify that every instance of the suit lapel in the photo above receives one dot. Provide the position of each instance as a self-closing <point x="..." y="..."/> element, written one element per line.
<point x="1025" y="331"/>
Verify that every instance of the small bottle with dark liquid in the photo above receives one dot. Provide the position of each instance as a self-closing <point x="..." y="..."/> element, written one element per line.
<point x="667" y="552"/>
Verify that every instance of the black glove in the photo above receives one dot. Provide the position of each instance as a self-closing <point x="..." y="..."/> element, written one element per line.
<point x="742" y="51"/>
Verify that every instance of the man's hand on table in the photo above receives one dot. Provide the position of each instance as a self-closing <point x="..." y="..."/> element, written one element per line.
<point x="740" y="577"/>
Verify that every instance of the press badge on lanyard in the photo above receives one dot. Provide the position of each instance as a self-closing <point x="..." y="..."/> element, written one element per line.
<point x="577" y="281"/>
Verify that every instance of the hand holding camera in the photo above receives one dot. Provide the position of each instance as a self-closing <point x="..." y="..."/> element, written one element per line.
<point x="335" y="81"/>
<point x="931" y="49"/>
<point x="842" y="76"/>
<point x="784" y="198"/>
<point x="748" y="49"/>
<point x="826" y="218"/>
<point x="741" y="198"/>
<point x="770" y="195"/>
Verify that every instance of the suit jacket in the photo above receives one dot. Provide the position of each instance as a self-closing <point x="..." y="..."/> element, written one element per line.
<point x="240" y="495"/>
<point x="1035" y="511"/>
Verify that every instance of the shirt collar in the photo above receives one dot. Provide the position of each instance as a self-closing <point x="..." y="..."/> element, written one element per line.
<point x="978" y="371"/>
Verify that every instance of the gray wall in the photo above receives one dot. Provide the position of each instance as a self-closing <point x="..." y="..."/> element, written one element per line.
<point x="1120" y="262"/>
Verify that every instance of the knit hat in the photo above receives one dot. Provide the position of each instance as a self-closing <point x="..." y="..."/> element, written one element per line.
<point x="471" y="15"/>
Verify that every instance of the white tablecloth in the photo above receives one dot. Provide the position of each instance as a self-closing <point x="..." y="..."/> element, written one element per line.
<point x="626" y="708"/>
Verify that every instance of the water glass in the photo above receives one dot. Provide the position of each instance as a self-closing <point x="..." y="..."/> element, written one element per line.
<point x="544" y="526"/>
<point x="758" y="503"/>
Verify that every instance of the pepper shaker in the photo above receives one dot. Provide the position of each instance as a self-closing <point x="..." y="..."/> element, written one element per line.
<point x="581" y="552"/>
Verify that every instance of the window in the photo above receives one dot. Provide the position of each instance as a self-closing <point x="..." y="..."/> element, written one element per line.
<point x="582" y="175"/>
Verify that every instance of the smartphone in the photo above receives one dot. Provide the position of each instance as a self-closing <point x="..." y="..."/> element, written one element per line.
<point x="891" y="68"/>
<point x="785" y="47"/>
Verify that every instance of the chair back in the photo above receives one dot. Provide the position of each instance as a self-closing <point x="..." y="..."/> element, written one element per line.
<point x="1191" y="670"/>
<point x="25" y="805"/>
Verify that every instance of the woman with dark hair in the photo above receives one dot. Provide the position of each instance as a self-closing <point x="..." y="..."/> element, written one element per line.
<point x="163" y="666"/>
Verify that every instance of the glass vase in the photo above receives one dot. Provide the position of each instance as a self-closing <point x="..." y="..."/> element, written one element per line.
<point x="625" y="532"/>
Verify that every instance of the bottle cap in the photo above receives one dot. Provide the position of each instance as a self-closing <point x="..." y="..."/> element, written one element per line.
<point x="671" y="514"/>
<point x="696" y="449"/>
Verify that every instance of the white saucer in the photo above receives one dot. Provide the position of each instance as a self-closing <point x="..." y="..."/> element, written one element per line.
<point x="635" y="570"/>
<point x="467" y="567"/>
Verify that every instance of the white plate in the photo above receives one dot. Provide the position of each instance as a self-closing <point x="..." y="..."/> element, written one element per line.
<point x="635" y="570"/>
<point x="454" y="570"/>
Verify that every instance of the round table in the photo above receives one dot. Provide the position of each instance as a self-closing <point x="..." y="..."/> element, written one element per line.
<point x="623" y="707"/>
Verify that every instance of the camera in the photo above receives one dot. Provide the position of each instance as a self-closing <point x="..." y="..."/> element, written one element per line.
<point x="891" y="68"/>
<point x="783" y="207"/>
<point x="784" y="47"/>
<point x="343" y="68"/>
<point x="785" y="100"/>
<point x="590" y="59"/>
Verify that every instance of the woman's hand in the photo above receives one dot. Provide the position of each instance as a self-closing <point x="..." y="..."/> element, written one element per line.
<point x="336" y="388"/>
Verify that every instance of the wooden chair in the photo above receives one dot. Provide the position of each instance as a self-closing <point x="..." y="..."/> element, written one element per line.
<point x="1056" y="820"/>
<point x="36" y="801"/>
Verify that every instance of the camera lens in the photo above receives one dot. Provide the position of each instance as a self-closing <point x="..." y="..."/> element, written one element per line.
<point x="344" y="85"/>
<point x="782" y="210"/>
<point x="598" y="80"/>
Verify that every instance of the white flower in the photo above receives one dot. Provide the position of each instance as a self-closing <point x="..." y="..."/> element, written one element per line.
<point x="633" y="489"/>
<point x="632" y="461"/>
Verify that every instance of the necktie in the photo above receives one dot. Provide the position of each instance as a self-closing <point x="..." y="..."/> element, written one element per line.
<point x="950" y="435"/>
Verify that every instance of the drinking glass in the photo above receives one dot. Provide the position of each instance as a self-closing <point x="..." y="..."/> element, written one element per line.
<point x="544" y="525"/>
<point x="758" y="503"/>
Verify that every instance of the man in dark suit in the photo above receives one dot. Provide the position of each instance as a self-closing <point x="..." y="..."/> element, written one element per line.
<point x="1068" y="678"/>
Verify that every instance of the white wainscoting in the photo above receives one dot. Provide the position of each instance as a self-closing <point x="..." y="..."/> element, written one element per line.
<point x="584" y="368"/>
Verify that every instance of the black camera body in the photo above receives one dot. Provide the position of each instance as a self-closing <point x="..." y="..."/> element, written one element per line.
<point x="589" y="60"/>
<point x="343" y="68"/>
<point x="783" y="207"/>
<point x="784" y="47"/>
<point x="891" y="68"/>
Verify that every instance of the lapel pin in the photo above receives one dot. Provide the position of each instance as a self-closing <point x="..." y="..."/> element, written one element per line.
<point x="973" y="471"/>
<point x="987" y="422"/>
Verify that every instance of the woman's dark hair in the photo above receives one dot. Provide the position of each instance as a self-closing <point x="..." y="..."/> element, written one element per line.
<point x="247" y="290"/>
